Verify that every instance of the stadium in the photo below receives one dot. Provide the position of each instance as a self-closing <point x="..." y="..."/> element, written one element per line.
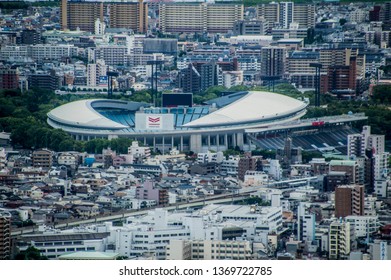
<point x="240" y="119"/>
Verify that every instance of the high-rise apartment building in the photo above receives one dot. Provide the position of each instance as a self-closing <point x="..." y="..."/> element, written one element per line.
<point x="358" y="143"/>
<point x="349" y="200"/>
<point x="285" y="13"/>
<point x="339" y="240"/>
<point x="198" y="17"/>
<point x="9" y="77"/>
<point x="118" y="14"/>
<point x="5" y="235"/>
<point x="273" y="62"/>
<point x="299" y="70"/>
<point x="94" y="73"/>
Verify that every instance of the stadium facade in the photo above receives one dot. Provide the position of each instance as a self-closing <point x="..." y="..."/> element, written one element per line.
<point x="218" y="126"/>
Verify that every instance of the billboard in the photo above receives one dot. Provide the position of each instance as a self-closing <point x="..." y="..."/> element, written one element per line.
<point x="103" y="81"/>
<point x="154" y="121"/>
<point x="150" y="122"/>
<point x="177" y="99"/>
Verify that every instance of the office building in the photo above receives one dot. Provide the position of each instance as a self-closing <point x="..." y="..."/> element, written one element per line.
<point x="198" y="17"/>
<point x="5" y="235"/>
<point x="339" y="240"/>
<point x="83" y="14"/>
<point x="349" y="200"/>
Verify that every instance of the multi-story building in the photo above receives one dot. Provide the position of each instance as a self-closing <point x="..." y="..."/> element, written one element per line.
<point x="230" y="166"/>
<point x="349" y="200"/>
<point x="12" y="52"/>
<point x="251" y="27"/>
<point x="9" y="77"/>
<point x="304" y="15"/>
<point x="94" y="73"/>
<point x="30" y="37"/>
<point x="139" y="152"/>
<point x="273" y="62"/>
<point x="363" y="226"/>
<point x="247" y="163"/>
<point x="42" y="158"/>
<point x="209" y="250"/>
<point x="151" y="192"/>
<point x="48" y="81"/>
<point x="198" y="17"/>
<point x="299" y="70"/>
<point x="83" y="14"/>
<point x="358" y="143"/>
<point x="340" y="79"/>
<point x="269" y="12"/>
<point x="111" y="54"/>
<point x="285" y="13"/>
<point x="52" y="52"/>
<point x="339" y="240"/>
<point x="5" y="235"/>
<point x="53" y="245"/>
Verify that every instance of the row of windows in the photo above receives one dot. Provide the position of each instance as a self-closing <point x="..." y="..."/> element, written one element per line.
<point x="60" y="250"/>
<point x="58" y="243"/>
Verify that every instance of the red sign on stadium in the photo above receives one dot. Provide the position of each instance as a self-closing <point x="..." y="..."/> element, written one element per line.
<point x="154" y="121"/>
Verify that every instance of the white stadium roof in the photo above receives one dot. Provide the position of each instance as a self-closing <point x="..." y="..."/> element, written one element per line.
<point x="257" y="105"/>
<point x="81" y="113"/>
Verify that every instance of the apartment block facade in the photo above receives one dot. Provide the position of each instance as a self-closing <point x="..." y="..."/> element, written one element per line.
<point x="83" y="14"/>
<point x="198" y="17"/>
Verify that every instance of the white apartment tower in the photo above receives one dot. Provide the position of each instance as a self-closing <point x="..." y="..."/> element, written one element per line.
<point x="95" y="71"/>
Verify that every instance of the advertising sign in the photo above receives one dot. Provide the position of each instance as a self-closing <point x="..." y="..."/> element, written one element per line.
<point x="154" y="121"/>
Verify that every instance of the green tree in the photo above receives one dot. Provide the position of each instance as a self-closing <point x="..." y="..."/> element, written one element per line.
<point x="31" y="253"/>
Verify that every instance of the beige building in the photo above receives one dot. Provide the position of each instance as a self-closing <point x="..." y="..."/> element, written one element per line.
<point x="198" y="17"/>
<point x="42" y="158"/>
<point x="284" y="13"/>
<point x="83" y="14"/>
<point x="339" y="240"/>
<point x="209" y="250"/>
